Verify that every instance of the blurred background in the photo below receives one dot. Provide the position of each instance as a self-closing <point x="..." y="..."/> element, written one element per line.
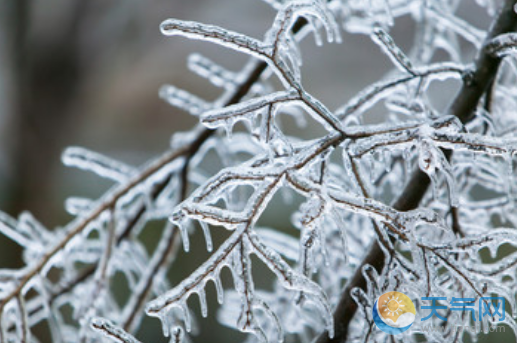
<point x="87" y="73"/>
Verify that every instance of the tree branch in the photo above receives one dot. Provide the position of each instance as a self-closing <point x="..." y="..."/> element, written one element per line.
<point x="474" y="86"/>
<point x="112" y="198"/>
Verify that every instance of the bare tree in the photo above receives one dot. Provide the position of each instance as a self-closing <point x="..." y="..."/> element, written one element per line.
<point x="389" y="206"/>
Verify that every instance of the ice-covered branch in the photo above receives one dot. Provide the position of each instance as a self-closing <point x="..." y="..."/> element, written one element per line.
<point x="111" y="198"/>
<point x="215" y="34"/>
<point x="364" y="217"/>
<point x="502" y="45"/>
<point x="381" y="90"/>
<point x="462" y="107"/>
<point x="386" y="42"/>
<point x="111" y="331"/>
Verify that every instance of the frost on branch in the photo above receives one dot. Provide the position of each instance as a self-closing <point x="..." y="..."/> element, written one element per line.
<point x="347" y="192"/>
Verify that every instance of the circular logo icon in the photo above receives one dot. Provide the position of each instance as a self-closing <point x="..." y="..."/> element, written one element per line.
<point x="393" y="312"/>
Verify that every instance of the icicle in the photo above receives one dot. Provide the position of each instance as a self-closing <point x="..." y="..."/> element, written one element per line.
<point x="406" y="154"/>
<point x="508" y="159"/>
<point x="322" y="240"/>
<point x="430" y="160"/>
<point x="202" y="302"/>
<point x="306" y="248"/>
<point x="370" y="158"/>
<point x="195" y="283"/>
<point x="387" y="160"/>
<point x="186" y="315"/>
<point x="347" y="164"/>
<point x="185" y="238"/>
<point x="180" y="221"/>
<point x="164" y="319"/>
<point x="208" y="237"/>
<point x="342" y="234"/>
<point x="317" y="36"/>
<point x="219" y="288"/>
<point x="228" y="128"/>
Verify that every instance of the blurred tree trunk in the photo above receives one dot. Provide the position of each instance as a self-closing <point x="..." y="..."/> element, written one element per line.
<point x="45" y="78"/>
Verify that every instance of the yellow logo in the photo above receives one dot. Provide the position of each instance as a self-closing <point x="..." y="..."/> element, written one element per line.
<point x="394" y="312"/>
<point x="392" y="305"/>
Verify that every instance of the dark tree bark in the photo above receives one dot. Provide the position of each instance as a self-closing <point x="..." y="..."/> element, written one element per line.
<point x="45" y="78"/>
